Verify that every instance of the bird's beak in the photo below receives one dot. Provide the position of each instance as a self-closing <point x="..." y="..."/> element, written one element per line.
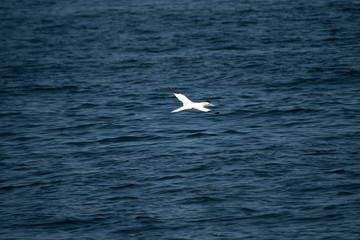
<point x="211" y="105"/>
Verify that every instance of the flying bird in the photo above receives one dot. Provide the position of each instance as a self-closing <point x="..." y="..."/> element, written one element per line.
<point x="188" y="105"/>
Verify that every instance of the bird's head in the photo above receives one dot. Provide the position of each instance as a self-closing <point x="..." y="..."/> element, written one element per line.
<point x="207" y="104"/>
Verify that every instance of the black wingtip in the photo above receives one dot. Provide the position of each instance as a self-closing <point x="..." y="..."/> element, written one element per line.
<point x="214" y="112"/>
<point x="172" y="90"/>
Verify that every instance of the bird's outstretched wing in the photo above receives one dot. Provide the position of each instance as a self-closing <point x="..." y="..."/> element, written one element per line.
<point x="180" y="96"/>
<point x="205" y="110"/>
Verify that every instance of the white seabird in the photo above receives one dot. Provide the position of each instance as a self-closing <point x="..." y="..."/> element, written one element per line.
<point x="188" y="105"/>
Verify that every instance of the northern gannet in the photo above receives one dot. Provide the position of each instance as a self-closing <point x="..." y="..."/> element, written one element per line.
<point x="188" y="105"/>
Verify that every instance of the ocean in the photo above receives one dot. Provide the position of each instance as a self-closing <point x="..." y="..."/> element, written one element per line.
<point x="89" y="148"/>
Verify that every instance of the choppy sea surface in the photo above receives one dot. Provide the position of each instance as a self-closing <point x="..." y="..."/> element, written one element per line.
<point x="90" y="150"/>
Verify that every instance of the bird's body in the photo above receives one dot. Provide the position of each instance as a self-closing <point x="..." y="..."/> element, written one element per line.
<point x="188" y="105"/>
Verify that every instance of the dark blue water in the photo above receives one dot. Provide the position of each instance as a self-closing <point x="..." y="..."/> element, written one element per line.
<point x="90" y="150"/>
